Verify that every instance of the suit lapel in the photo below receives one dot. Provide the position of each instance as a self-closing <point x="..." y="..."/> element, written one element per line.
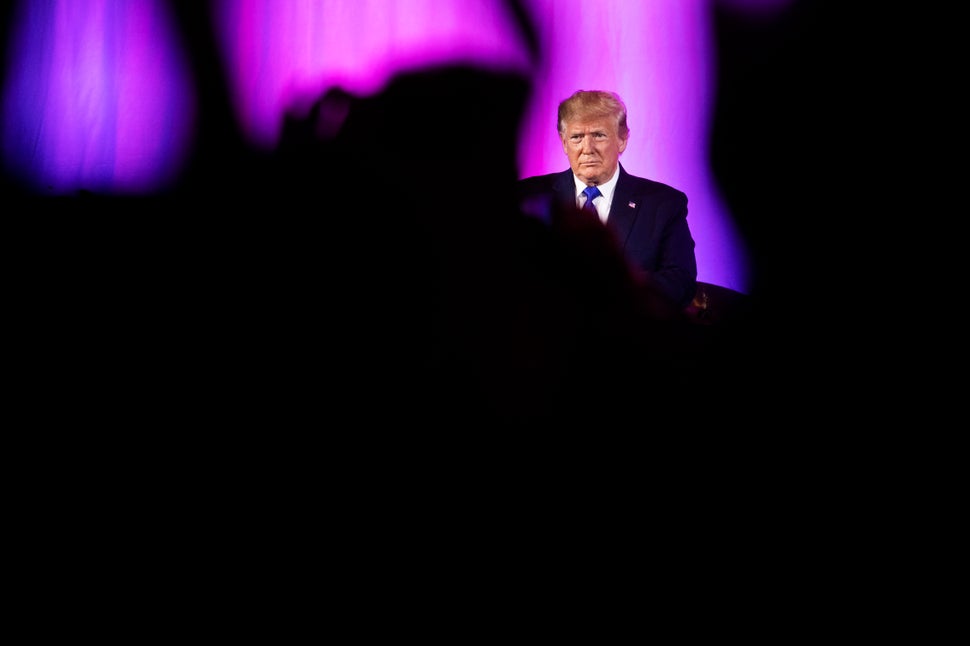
<point x="565" y="188"/>
<point x="624" y="209"/>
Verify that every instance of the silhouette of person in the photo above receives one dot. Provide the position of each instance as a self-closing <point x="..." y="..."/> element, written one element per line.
<point x="442" y="290"/>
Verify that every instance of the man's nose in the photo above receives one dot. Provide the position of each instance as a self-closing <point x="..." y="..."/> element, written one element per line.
<point x="587" y="144"/>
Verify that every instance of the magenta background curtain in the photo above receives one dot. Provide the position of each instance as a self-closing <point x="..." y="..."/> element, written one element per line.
<point x="99" y="94"/>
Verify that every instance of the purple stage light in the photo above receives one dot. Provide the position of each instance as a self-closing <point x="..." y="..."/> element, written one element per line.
<point x="98" y="97"/>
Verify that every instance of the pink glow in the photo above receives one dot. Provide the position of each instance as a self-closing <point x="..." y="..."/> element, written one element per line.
<point x="97" y="97"/>
<point x="280" y="55"/>
<point x="658" y="56"/>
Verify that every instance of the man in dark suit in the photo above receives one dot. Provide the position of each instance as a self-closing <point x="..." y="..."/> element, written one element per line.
<point x="647" y="218"/>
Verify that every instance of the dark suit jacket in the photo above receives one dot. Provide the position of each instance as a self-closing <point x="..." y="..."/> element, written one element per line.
<point x="648" y="219"/>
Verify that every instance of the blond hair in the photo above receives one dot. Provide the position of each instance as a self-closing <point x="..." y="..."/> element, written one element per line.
<point x="587" y="104"/>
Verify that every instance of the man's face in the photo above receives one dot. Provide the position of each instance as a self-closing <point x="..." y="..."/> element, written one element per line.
<point x="593" y="148"/>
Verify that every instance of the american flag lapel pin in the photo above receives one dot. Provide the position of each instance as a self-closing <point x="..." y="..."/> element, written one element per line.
<point x="632" y="205"/>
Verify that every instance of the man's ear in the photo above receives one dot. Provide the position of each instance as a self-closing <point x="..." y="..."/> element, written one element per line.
<point x="623" y="144"/>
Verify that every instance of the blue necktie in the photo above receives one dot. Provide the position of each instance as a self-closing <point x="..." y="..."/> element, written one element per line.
<point x="591" y="192"/>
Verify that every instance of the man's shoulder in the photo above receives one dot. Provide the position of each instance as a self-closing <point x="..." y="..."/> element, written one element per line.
<point x="539" y="195"/>
<point x="545" y="181"/>
<point x="645" y="185"/>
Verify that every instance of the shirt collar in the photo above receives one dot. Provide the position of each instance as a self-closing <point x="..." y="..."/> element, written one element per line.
<point x="606" y="189"/>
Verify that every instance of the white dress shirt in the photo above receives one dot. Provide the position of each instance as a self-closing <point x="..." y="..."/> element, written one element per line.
<point x="603" y="202"/>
